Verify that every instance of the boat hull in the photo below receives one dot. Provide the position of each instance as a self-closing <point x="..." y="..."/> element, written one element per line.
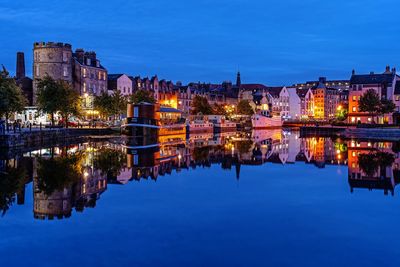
<point x="264" y="122"/>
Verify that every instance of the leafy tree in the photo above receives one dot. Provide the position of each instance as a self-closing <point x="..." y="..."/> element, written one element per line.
<point x="57" y="96"/>
<point x="70" y="103"/>
<point x="118" y="103"/>
<point x="219" y="110"/>
<point x="386" y="106"/>
<point x="370" y="102"/>
<point x="142" y="96"/>
<point x="244" y="108"/>
<point x="11" y="97"/>
<point x="342" y="113"/>
<point x="104" y="104"/>
<point x="200" y="105"/>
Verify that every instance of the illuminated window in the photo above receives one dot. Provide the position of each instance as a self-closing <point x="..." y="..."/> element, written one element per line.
<point x="354" y="109"/>
<point x="65" y="72"/>
<point x="65" y="56"/>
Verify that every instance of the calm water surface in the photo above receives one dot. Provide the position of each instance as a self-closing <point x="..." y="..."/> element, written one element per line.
<point x="270" y="199"/>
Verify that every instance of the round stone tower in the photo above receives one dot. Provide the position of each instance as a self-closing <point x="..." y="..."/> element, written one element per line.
<point x="53" y="59"/>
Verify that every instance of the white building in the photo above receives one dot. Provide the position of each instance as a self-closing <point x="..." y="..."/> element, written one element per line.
<point x="294" y="104"/>
<point x="120" y="82"/>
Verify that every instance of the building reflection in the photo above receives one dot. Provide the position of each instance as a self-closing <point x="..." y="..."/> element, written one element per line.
<point x="72" y="178"/>
<point x="373" y="165"/>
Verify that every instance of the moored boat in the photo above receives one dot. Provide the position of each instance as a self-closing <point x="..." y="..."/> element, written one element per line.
<point x="262" y="120"/>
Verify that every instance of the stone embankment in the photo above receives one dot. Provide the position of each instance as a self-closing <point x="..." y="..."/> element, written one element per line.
<point x="48" y="136"/>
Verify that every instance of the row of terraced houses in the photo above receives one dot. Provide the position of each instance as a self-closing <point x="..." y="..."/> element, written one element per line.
<point x="319" y="99"/>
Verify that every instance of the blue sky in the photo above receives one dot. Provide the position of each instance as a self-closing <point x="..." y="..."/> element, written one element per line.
<point x="271" y="42"/>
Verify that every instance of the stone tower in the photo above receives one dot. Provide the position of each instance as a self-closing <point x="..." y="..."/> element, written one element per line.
<point x="20" y="72"/>
<point x="53" y="59"/>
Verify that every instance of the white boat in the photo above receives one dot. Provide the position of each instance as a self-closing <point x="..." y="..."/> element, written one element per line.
<point x="221" y="124"/>
<point x="199" y="124"/>
<point x="262" y="120"/>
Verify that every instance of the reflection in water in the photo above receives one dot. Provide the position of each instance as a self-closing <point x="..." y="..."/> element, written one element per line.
<point x="373" y="165"/>
<point x="74" y="177"/>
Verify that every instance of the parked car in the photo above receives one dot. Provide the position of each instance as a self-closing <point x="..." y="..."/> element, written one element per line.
<point x="70" y="123"/>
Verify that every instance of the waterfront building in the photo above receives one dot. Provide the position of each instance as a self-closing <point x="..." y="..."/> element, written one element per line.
<point x="341" y="85"/>
<point x="121" y="83"/>
<point x="383" y="84"/>
<point x="326" y="101"/>
<point x="294" y="104"/>
<point x="53" y="59"/>
<point x="80" y="69"/>
<point x="90" y="77"/>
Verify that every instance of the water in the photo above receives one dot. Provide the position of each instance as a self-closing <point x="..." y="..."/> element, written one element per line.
<point x="273" y="199"/>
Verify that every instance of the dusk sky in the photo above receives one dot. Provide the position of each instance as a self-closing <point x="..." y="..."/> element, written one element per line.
<point x="272" y="42"/>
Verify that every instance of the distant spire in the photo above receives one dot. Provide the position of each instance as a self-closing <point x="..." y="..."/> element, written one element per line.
<point x="238" y="80"/>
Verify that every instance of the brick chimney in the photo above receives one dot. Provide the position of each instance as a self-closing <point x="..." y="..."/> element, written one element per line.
<point x="20" y="73"/>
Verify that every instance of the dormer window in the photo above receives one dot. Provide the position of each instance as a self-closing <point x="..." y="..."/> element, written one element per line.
<point x="97" y="64"/>
<point x="88" y="62"/>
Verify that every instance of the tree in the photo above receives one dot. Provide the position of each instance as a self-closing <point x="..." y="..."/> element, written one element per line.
<point x="11" y="97"/>
<point x="370" y="102"/>
<point x="118" y="103"/>
<point x="342" y="112"/>
<point x="57" y="96"/>
<point x="142" y="96"/>
<point x="103" y="103"/>
<point x="200" y="105"/>
<point x="70" y="103"/>
<point x="219" y="110"/>
<point x="386" y="106"/>
<point x="244" y="108"/>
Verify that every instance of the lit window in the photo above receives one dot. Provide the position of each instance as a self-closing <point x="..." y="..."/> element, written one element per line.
<point x="354" y="109"/>
<point x="65" y="71"/>
<point x="65" y="56"/>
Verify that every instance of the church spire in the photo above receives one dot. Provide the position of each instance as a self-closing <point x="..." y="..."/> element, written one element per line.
<point x="238" y="80"/>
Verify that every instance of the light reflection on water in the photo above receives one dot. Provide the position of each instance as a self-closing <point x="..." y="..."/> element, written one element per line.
<point x="207" y="171"/>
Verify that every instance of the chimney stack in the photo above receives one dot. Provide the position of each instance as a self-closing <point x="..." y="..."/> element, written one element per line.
<point x="353" y="72"/>
<point x="387" y="69"/>
<point x="394" y="70"/>
<point x="20" y="73"/>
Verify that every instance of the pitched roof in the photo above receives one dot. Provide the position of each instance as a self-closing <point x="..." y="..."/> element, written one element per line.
<point x="397" y="88"/>
<point x="302" y="92"/>
<point x="274" y="91"/>
<point x="114" y="76"/>
<point x="372" y="79"/>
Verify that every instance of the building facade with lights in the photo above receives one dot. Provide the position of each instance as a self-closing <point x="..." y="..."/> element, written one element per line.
<point x="384" y="85"/>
